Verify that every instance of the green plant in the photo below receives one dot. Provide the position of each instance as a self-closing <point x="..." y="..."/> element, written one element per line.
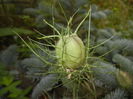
<point x="10" y="31"/>
<point x="9" y="86"/>
<point x="66" y="58"/>
<point x="10" y="82"/>
<point x="111" y="54"/>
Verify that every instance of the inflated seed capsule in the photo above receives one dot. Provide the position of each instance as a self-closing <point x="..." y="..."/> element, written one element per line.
<point x="70" y="51"/>
<point x="124" y="79"/>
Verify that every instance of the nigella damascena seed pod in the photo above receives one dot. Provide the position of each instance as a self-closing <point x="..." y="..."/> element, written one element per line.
<point x="124" y="79"/>
<point x="70" y="51"/>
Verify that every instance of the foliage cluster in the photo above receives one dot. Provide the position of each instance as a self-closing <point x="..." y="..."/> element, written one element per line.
<point x="111" y="63"/>
<point x="9" y="82"/>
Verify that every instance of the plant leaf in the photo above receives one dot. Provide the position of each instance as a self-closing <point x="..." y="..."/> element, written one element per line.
<point x="45" y="84"/>
<point x="10" y="31"/>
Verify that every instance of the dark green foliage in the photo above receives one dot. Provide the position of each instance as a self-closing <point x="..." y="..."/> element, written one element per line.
<point x="3" y="71"/>
<point x="33" y="66"/>
<point x="128" y="33"/>
<point x="105" y="72"/>
<point x="116" y="44"/>
<point x="43" y="10"/>
<point x="62" y="10"/>
<point x="9" y="56"/>
<point x="11" y="31"/>
<point x="123" y="62"/>
<point x="118" y="52"/>
<point x="123" y="45"/>
<point x="100" y="14"/>
<point x="115" y="53"/>
<point x="45" y="84"/>
<point x="38" y="70"/>
<point x="9" y="86"/>
<point x="116" y="94"/>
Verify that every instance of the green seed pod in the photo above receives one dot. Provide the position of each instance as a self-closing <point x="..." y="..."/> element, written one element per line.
<point x="70" y="51"/>
<point x="124" y="79"/>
